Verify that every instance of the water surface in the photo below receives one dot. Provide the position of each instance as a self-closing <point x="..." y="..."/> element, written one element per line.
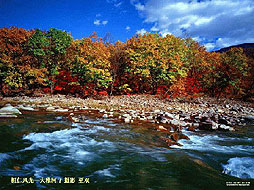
<point x="119" y="156"/>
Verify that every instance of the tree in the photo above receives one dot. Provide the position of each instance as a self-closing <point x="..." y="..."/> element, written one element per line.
<point x="12" y="43"/>
<point x="154" y="60"/>
<point x="92" y="64"/>
<point x="234" y="68"/>
<point x="49" y="48"/>
<point x="117" y="63"/>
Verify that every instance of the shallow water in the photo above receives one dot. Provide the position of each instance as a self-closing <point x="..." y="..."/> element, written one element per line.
<point x="119" y="156"/>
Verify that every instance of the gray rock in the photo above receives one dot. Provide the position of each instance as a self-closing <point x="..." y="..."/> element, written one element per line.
<point x="174" y="122"/>
<point x="50" y="108"/>
<point x="76" y="109"/>
<point x="171" y="129"/>
<point x="206" y="126"/>
<point x="169" y="115"/>
<point x="126" y="120"/>
<point x="223" y="121"/>
<point x="9" y="110"/>
<point x="75" y="120"/>
<point x="215" y="126"/>
<point x="224" y="127"/>
<point x="156" y="111"/>
<point x="26" y="108"/>
<point x="164" y="121"/>
<point x="126" y="116"/>
<point x="249" y="117"/>
<point x="220" y="111"/>
<point x="61" y="110"/>
<point x="183" y="124"/>
<point x="42" y="106"/>
<point x="150" y="117"/>
<point x="195" y="124"/>
<point x="161" y="128"/>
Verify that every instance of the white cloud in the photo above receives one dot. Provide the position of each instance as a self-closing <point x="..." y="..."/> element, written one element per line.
<point x="209" y="46"/>
<point x="97" y="22"/>
<point x="140" y="7"/>
<point x="111" y="1"/>
<point x="165" y="33"/>
<point x="104" y="22"/>
<point x="217" y="23"/>
<point x="118" y="4"/>
<point x="127" y="28"/>
<point x="154" y="29"/>
<point x="141" y="31"/>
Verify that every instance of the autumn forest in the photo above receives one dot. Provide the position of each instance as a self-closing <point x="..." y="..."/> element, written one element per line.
<point x="53" y="62"/>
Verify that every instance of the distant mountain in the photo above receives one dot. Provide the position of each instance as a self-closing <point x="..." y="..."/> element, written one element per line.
<point x="244" y="46"/>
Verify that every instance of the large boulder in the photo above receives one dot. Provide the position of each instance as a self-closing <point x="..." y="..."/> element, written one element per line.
<point x="8" y="109"/>
<point x="174" y="136"/>
<point x="206" y="126"/>
<point x="183" y="136"/>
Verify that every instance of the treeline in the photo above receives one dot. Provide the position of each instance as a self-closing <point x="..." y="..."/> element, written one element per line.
<point x="52" y="62"/>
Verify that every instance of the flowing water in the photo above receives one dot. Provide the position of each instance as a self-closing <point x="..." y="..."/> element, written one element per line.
<point x="119" y="156"/>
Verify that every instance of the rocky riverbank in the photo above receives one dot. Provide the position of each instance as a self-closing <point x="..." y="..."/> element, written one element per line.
<point x="167" y="117"/>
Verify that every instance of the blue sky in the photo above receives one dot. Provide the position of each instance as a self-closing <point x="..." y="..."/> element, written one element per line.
<point x="80" y="17"/>
<point x="214" y="23"/>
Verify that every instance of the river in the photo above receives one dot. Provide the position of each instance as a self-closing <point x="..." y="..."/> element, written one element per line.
<point x="119" y="156"/>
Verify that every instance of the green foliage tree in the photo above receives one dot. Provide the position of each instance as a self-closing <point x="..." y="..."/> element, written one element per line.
<point x="156" y="60"/>
<point x="50" y="48"/>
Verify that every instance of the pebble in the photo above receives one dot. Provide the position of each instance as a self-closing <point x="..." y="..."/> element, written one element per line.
<point x="161" y="128"/>
<point x="51" y="108"/>
<point x="126" y="120"/>
<point x="61" y="110"/>
<point x="156" y="111"/>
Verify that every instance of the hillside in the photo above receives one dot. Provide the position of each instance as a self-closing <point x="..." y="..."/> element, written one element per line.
<point x="247" y="47"/>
